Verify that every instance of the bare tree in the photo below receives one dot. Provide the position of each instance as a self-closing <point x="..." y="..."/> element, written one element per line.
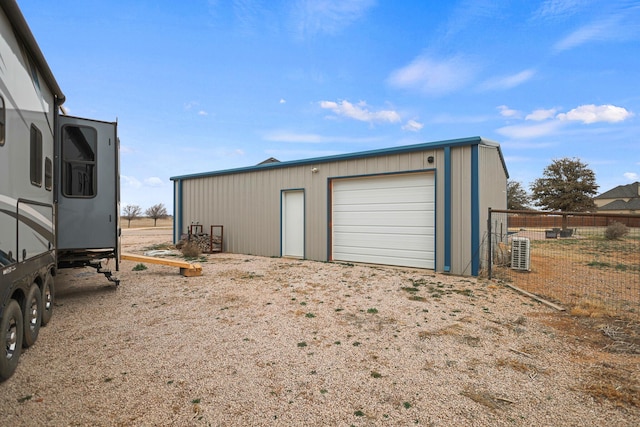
<point x="130" y="212"/>
<point x="156" y="212"/>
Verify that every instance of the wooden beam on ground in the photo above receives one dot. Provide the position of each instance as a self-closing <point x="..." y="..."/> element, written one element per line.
<point x="535" y="297"/>
<point x="187" y="269"/>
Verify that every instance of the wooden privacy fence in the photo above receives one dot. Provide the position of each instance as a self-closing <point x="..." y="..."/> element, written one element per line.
<point x="567" y="258"/>
<point x="522" y="219"/>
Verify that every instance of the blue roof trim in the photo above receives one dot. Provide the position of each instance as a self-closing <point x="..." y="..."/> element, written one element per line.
<point x="474" y="140"/>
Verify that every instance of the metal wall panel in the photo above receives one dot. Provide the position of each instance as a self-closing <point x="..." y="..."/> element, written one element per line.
<point x="460" y="210"/>
<point x="493" y="192"/>
<point x="248" y="204"/>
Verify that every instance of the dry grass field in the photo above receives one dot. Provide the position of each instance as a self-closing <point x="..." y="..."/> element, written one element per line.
<point x="145" y="222"/>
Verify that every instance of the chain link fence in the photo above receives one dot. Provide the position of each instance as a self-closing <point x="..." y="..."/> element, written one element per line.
<point x="589" y="263"/>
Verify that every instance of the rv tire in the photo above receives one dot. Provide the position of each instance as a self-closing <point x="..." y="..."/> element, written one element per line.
<point x="10" y="339"/>
<point x="32" y="315"/>
<point x="47" y="299"/>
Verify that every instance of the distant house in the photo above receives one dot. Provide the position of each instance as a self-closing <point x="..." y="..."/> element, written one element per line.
<point x="623" y="199"/>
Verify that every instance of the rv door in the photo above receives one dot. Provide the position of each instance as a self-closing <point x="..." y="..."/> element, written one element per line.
<point x="87" y="190"/>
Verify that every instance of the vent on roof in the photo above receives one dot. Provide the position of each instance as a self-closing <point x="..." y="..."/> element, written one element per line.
<point x="520" y="254"/>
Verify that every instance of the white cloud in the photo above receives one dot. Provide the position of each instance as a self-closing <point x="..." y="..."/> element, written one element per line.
<point x="413" y="126"/>
<point x="617" y="22"/>
<point x="327" y="16"/>
<point x="283" y="101"/>
<point x="529" y="131"/>
<point x="508" y="112"/>
<point x="577" y="38"/>
<point x="449" y="118"/>
<point x="311" y="138"/>
<point x="202" y="113"/>
<point x="596" y="113"/>
<point x="541" y="114"/>
<point x="559" y="8"/>
<point x="130" y="181"/>
<point x="508" y="82"/>
<point x="285" y="136"/>
<point x="360" y="112"/>
<point x="126" y="149"/>
<point x="154" y="181"/>
<point x="631" y="176"/>
<point x="434" y="77"/>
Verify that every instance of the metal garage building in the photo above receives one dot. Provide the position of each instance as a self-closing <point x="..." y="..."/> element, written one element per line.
<point x="421" y="205"/>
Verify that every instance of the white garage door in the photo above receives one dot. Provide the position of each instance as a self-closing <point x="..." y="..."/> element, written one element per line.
<point x="386" y="219"/>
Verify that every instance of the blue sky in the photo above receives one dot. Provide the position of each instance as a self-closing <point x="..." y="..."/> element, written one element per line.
<point x="204" y="85"/>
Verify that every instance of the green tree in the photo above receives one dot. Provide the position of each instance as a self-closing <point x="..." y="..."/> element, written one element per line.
<point x="156" y="212"/>
<point x="567" y="185"/>
<point x="517" y="197"/>
<point x="130" y="212"/>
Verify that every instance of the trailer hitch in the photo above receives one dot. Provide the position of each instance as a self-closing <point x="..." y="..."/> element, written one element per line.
<point x="107" y="273"/>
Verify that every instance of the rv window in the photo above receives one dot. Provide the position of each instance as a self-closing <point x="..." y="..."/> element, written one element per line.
<point x="48" y="174"/>
<point x="2" y="121"/>
<point x="36" y="156"/>
<point x="79" y="161"/>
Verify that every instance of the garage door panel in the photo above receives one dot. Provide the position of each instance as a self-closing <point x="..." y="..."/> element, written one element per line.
<point x="383" y="241"/>
<point x="388" y="230"/>
<point x="383" y="181"/>
<point x="381" y="219"/>
<point x="393" y="195"/>
<point x="393" y="207"/>
<point x="385" y="220"/>
<point x="389" y="257"/>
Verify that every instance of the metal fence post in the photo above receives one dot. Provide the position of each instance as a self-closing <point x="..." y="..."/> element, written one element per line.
<point x="489" y="243"/>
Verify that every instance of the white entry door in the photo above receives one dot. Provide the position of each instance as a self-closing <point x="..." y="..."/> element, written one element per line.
<point x="293" y="223"/>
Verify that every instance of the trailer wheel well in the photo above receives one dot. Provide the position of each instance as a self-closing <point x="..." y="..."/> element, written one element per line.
<point x="19" y="296"/>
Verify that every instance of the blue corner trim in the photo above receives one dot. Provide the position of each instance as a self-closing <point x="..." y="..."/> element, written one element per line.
<point x="475" y="211"/>
<point x="177" y="211"/>
<point x="447" y="209"/>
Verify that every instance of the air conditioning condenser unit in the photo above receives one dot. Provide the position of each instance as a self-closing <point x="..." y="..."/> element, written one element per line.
<point x="520" y="254"/>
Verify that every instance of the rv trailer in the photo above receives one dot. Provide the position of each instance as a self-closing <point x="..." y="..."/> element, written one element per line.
<point x="59" y="189"/>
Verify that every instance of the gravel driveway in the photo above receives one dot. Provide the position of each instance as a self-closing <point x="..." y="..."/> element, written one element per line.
<point x="267" y="341"/>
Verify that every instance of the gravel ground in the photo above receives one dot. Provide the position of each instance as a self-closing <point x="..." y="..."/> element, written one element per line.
<point x="266" y="341"/>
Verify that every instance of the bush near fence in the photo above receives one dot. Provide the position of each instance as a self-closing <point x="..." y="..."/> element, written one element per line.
<point x="583" y="270"/>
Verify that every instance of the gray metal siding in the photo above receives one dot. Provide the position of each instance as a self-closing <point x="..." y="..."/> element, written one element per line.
<point x="493" y="193"/>
<point x="461" y="210"/>
<point x="248" y="204"/>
